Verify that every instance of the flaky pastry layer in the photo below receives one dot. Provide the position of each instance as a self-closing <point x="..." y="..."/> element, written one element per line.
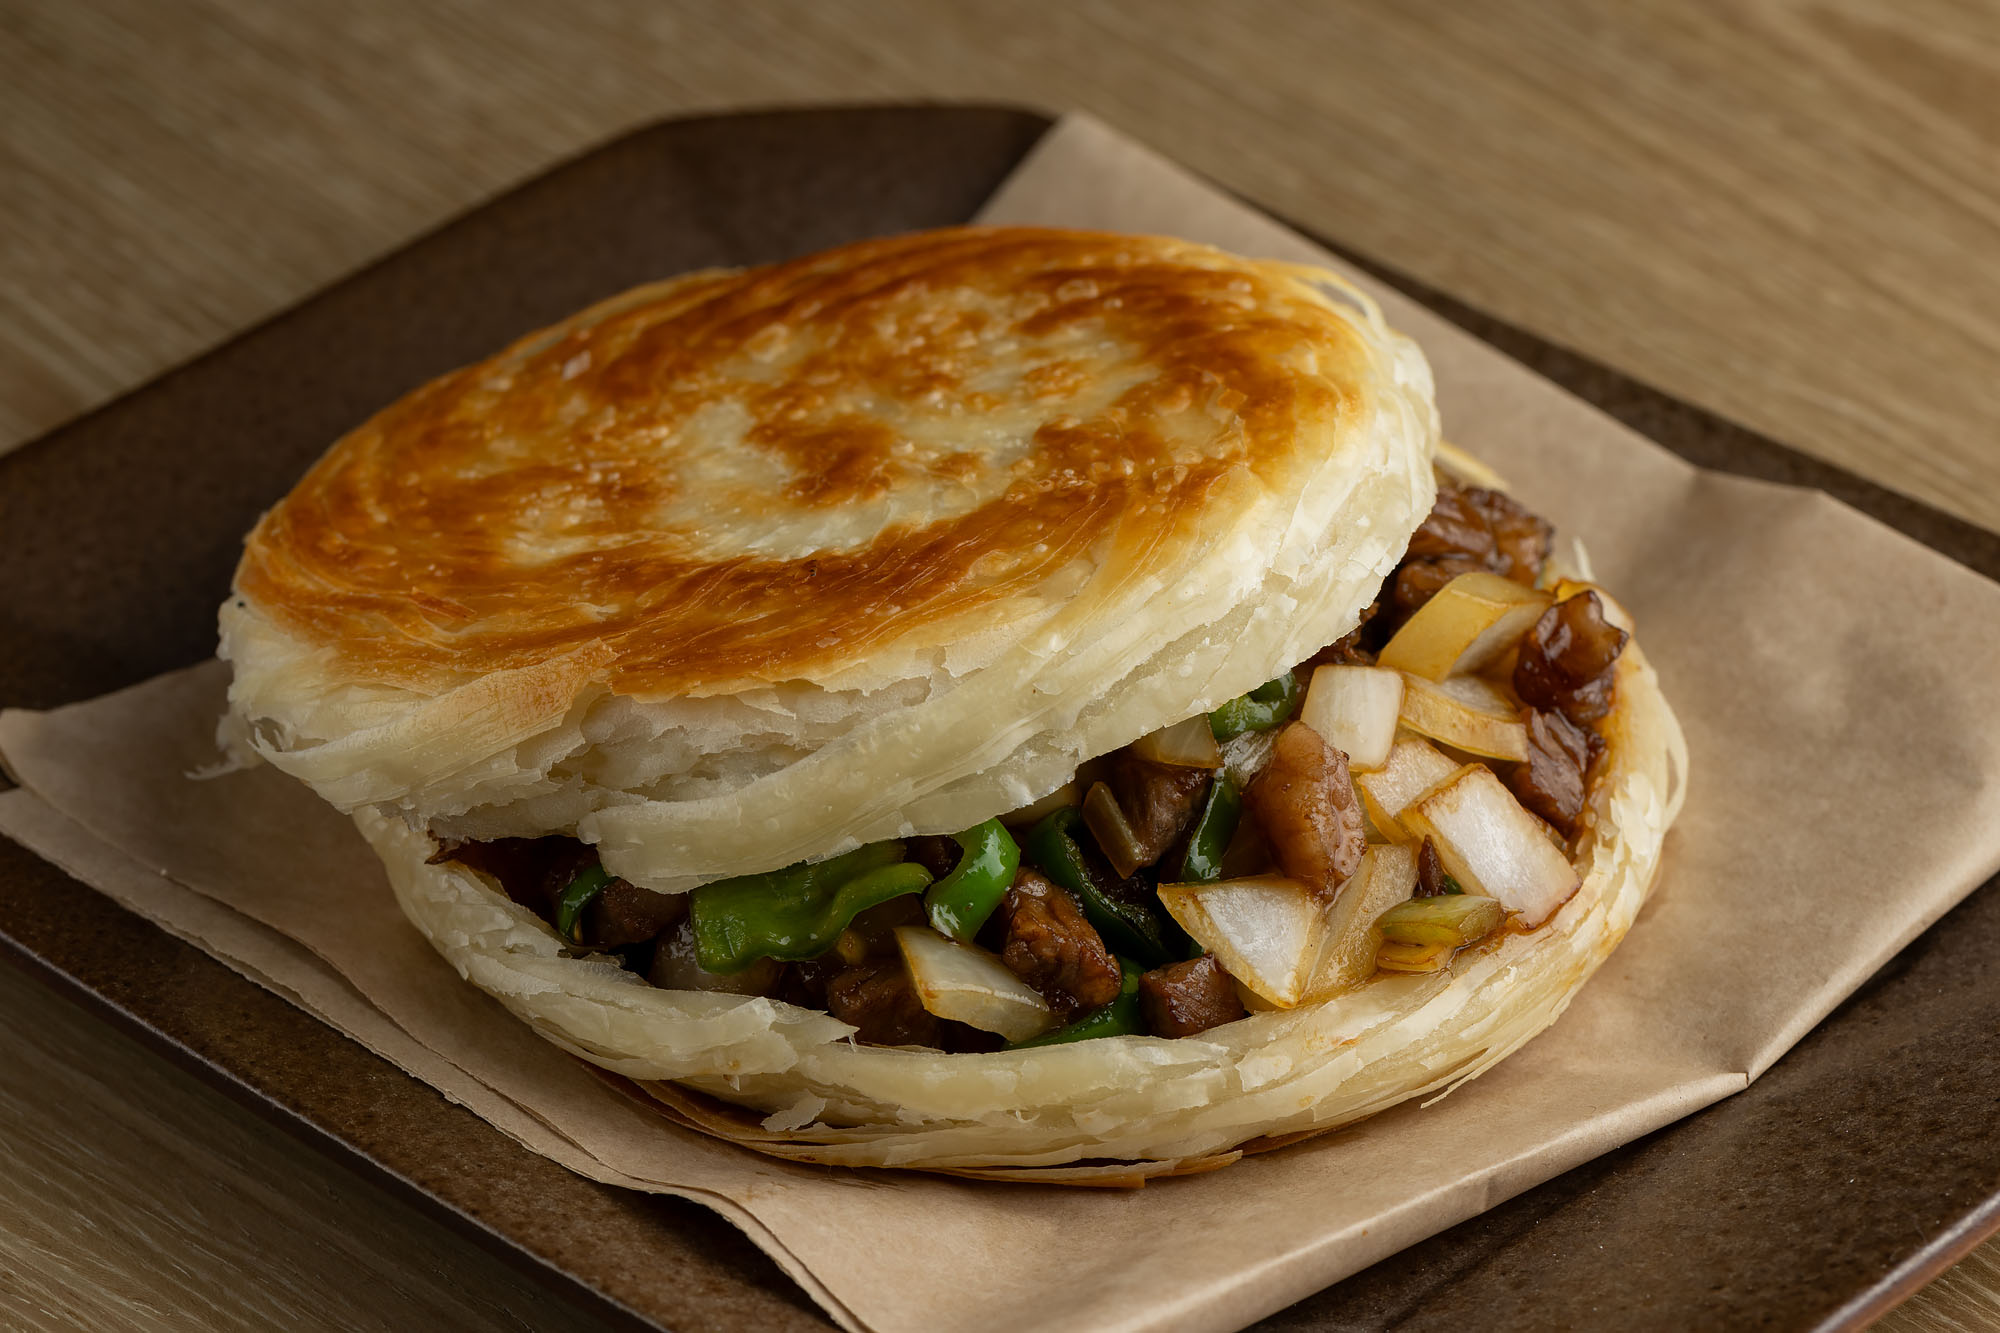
<point x="748" y="567"/>
<point x="1173" y="1105"/>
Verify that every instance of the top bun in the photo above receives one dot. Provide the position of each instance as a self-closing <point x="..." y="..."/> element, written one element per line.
<point x="745" y="568"/>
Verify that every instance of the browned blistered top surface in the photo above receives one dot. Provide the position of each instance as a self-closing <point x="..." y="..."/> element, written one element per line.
<point x="772" y="474"/>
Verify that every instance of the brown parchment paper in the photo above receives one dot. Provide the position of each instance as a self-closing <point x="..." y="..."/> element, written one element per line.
<point x="1845" y="739"/>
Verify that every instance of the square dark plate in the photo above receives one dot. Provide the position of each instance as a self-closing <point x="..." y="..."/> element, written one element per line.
<point x="1858" y="1167"/>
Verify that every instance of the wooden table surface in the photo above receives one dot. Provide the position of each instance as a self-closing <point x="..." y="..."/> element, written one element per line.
<point x="1787" y="211"/>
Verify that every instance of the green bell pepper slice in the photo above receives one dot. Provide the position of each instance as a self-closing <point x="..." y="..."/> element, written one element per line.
<point x="797" y="912"/>
<point x="960" y="903"/>
<point x="1213" y="830"/>
<point x="1120" y="1018"/>
<point x="576" y="895"/>
<point x="1260" y="710"/>
<point x="1127" y="928"/>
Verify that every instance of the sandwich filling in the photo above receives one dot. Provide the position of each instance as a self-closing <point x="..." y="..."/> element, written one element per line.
<point x="1412" y="790"/>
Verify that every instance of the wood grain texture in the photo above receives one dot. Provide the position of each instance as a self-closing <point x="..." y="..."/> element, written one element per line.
<point x="1784" y="210"/>
<point x="139" y="1199"/>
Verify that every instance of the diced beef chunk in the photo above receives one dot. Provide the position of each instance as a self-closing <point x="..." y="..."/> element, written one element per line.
<point x="1485" y="525"/>
<point x="1456" y="526"/>
<point x="1469" y="529"/>
<point x="1521" y="537"/>
<point x="627" y="914"/>
<point x="1552" y="780"/>
<point x="934" y="852"/>
<point x="1432" y="879"/>
<point x="1182" y="999"/>
<point x="1159" y="800"/>
<point x="1567" y="659"/>
<point x="1050" y="945"/>
<point x="881" y="1001"/>
<point x="1304" y="803"/>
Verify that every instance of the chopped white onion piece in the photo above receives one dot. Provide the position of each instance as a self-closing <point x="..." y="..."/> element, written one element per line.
<point x="1189" y="744"/>
<point x="1492" y="846"/>
<point x="1388" y="876"/>
<point x="1414" y="766"/>
<point x="1265" y="931"/>
<point x="1471" y="622"/>
<point x="1354" y="709"/>
<point x="970" y="985"/>
<point x="1467" y="713"/>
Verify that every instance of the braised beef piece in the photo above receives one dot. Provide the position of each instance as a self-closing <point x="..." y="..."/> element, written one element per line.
<point x="521" y="865"/>
<point x="1490" y="525"/>
<point x="1304" y="804"/>
<point x="1357" y="647"/>
<point x="935" y="852"/>
<point x="1521" y="537"/>
<point x="1470" y="529"/>
<point x="1049" y="945"/>
<point x="627" y="914"/>
<point x="880" y="1000"/>
<point x="1431" y="874"/>
<point x="858" y="969"/>
<point x="1159" y="800"/>
<point x="1552" y="781"/>
<point x="1456" y="526"/>
<point x="1182" y="999"/>
<point x="1567" y="659"/>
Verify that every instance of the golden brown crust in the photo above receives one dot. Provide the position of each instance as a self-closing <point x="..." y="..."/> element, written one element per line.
<point x="766" y="475"/>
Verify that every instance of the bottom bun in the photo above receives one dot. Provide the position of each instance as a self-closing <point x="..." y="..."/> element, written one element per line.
<point x="787" y="1081"/>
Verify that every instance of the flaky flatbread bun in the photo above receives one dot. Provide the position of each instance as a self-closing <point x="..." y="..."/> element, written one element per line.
<point x="1109" y="1111"/>
<point x="750" y="567"/>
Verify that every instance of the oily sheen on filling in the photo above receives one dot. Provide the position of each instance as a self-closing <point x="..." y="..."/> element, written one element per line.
<point x="1178" y="1104"/>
